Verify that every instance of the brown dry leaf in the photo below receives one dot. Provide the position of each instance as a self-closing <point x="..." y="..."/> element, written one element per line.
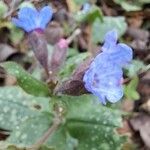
<point x="146" y="106"/>
<point x="135" y="19"/>
<point x="144" y="87"/>
<point x="126" y="129"/>
<point x="137" y="33"/>
<point x="6" y="51"/>
<point x="141" y="123"/>
<point x="127" y="105"/>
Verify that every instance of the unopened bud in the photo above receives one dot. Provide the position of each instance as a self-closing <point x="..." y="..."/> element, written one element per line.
<point x="58" y="57"/>
<point x="39" y="46"/>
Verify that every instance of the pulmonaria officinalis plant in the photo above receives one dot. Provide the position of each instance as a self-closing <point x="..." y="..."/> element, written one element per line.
<point x="52" y="109"/>
<point x="104" y="76"/>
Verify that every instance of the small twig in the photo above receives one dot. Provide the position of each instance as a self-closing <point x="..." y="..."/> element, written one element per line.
<point x="75" y="33"/>
<point x="49" y="132"/>
<point x="71" y="5"/>
<point x="90" y="38"/>
<point x="105" y="8"/>
<point x="2" y="75"/>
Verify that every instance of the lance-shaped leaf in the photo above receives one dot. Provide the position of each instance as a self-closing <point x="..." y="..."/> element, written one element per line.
<point x="39" y="46"/>
<point x="25" y="80"/>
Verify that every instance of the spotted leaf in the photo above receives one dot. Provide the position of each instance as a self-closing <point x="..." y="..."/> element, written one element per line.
<point x="87" y="125"/>
<point x="25" y="80"/>
<point x="16" y="106"/>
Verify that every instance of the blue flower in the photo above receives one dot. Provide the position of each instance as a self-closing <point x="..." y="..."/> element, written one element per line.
<point x="86" y="7"/>
<point x="120" y="53"/>
<point x="104" y="76"/>
<point x="31" y="19"/>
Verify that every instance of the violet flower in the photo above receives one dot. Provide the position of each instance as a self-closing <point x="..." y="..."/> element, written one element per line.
<point x="104" y="76"/>
<point x="86" y="7"/>
<point x="30" y="19"/>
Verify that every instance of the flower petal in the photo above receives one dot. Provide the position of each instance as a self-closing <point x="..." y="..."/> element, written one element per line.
<point x="28" y="12"/>
<point x="26" y="19"/>
<point x="110" y="40"/>
<point x="45" y="15"/>
<point x="22" y="24"/>
<point x="86" y="7"/>
<point x="30" y="19"/>
<point x="114" y="94"/>
<point x="125" y="51"/>
<point x="121" y="56"/>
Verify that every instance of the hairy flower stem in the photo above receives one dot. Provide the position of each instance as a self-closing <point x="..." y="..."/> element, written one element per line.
<point x="48" y="133"/>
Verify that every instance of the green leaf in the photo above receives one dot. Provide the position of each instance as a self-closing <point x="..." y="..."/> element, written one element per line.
<point x="87" y="125"/>
<point x="128" y="6"/>
<point x="16" y="106"/>
<point x="133" y="5"/>
<point x="3" y="9"/>
<point x="25" y="80"/>
<point x="109" y="23"/>
<point x="143" y="1"/>
<point x="90" y="16"/>
<point x="130" y="89"/>
<point x="34" y="128"/>
<point x="26" y="4"/>
<point x="80" y="2"/>
<point x="16" y="35"/>
<point x="30" y="131"/>
<point x="134" y="68"/>
<point x="6" y="146"/>
<point x="92" y="124"/>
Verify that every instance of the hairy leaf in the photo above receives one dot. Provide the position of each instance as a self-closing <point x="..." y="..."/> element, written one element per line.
<point x="94" y="13"/>
<point x="25" y="80"/>
<point x="109" y="23"/>
<point x="3" y="9"/>
<point x="16" y="106"/>
<point x="87" y="125"/>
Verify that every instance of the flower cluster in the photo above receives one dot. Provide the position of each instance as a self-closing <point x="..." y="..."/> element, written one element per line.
<point x="104" y="76"/>
<point x="31" y="19"/>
